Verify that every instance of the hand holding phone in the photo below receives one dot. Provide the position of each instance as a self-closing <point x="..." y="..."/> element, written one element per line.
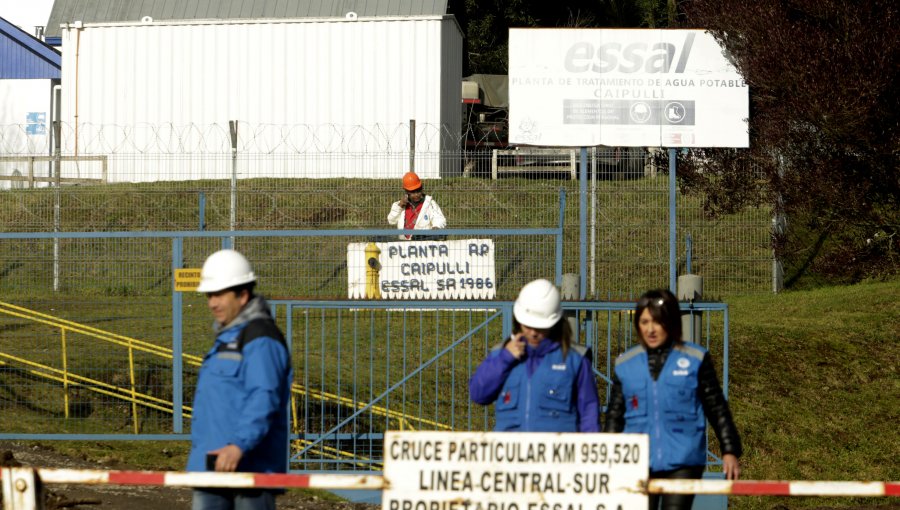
<point x="404" y="200"/>
<point x="516" y="345"/>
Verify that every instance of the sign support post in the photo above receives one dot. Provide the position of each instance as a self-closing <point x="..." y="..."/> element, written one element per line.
<point x="673" y="263"/>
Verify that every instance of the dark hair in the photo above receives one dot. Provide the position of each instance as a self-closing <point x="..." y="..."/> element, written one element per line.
<point x="240" y="288"/>
<point x="560" y="332"/>
<point x="663" y="307"/>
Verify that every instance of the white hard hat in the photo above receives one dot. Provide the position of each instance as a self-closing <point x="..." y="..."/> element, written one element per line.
<point x="225" y="269"/>
<point x="538" y="305"/>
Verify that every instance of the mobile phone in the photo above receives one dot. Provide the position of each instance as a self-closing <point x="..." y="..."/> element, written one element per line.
<point x="211" y="461"/>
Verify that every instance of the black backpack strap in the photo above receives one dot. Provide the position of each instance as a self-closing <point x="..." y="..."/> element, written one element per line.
<point x="258" y="328"/>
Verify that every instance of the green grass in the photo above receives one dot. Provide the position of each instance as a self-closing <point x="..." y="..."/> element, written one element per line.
<point x="815" y="386"/>
<point x="630" y="226"/>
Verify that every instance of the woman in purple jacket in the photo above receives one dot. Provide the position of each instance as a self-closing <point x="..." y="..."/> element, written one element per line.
<point x="538" y="380"/>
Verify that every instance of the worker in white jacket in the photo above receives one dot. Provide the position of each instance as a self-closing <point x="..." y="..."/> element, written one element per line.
<point x="415" y="210"/>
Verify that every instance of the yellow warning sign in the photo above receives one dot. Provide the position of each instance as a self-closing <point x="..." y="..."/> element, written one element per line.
<point x="187" y="280"/>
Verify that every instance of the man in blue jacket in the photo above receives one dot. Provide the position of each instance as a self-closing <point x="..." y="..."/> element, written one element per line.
<point x="240" y="414"/>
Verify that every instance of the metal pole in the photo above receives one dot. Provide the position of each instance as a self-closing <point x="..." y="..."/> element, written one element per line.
<point x="673" y="278"/>
<point x="725" y="342"/>
<point x="233" y="127"/>
<point x="583" y="224"/>
<point x="22" y="489"/>
<point x="779" y="225"/>
<point x="559" y="236"/>
<point x="57" y="128"/>
<point x="177" y="344"/>
<point x="202" y="206"/>
<point x="690" y="245"/>
<point x="412" y="145"/>
<point x="592" y="266"/>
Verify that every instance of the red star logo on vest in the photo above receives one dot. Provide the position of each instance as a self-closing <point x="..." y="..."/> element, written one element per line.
<point x="507" y="397"/>
<point x="634" y="402"/>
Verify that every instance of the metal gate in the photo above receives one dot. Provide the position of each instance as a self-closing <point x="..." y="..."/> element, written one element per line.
<point x="405" y="365"/>
<point x="377" y="366"/>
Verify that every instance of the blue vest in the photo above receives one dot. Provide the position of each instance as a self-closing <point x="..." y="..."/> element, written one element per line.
<point x="544" y="402"/>
<point x="667" y="409"/>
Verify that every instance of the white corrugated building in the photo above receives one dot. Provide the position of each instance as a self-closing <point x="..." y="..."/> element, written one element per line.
<point x="320" y="89"/>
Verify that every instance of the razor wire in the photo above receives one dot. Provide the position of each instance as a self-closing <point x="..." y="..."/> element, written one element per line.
<point x="192" y="138"/>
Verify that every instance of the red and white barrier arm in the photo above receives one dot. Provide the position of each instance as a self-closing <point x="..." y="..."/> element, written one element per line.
<point x="773" y="488"/>
<point x="376" y="482"/>
<point x="211" y="479"/>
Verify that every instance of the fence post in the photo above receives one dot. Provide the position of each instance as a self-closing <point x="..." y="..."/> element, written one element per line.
<point x="233" y="128"/>
<point x="582" y="228"/>
<point x="412" y="145"/>
<point x="690" y="289"/>
<point x="56" y="205"/>
<point x="201" y="199"/>
<point x="779" y="226"/>
<point x="22" y="489"/>
<point x="672" y="221"/>
<point x="559" y="236"/>
<point x="177" y="341"/>
<point x="570" y="291"/>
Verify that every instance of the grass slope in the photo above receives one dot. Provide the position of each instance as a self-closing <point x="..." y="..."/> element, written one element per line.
<point x="815" y="387"/>
<point x="630" y="253"/>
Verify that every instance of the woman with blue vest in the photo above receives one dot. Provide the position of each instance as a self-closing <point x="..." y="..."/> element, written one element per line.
<point x="538" y="380"/>
<point x="667" y="388"/>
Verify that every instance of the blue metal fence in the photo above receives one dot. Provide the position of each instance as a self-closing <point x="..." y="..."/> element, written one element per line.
<point x="362" y="366"/>
<point x="79" y="376"/>
<point x="412" y="371"/>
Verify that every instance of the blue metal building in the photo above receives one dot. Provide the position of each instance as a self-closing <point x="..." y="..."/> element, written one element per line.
<point x="23" y="57"/>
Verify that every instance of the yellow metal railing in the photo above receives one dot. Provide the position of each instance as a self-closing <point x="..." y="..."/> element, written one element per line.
<point x="136" y="398"/>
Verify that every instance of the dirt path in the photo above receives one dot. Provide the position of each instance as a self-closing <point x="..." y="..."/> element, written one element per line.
<point x="115" y="497"/>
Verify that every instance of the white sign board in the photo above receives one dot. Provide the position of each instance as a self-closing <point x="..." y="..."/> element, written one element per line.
<point x="624" y="88"/>
<point x="514" y="471"/>
<point x="462" y="269"/>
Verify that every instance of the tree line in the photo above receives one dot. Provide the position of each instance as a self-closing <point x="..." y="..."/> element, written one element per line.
<point x="824" y="115"/>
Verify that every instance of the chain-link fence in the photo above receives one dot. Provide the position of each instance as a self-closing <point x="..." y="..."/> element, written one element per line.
<point x="147" y="178"/>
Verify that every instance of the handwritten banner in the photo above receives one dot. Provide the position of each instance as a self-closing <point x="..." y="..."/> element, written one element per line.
<point x="462" y="269"/>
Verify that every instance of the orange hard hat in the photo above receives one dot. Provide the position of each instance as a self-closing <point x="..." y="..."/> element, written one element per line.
<point x="411" y="181"/>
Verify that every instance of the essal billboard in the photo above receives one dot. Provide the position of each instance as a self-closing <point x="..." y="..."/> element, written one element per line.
<point x="624" y="88"/>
